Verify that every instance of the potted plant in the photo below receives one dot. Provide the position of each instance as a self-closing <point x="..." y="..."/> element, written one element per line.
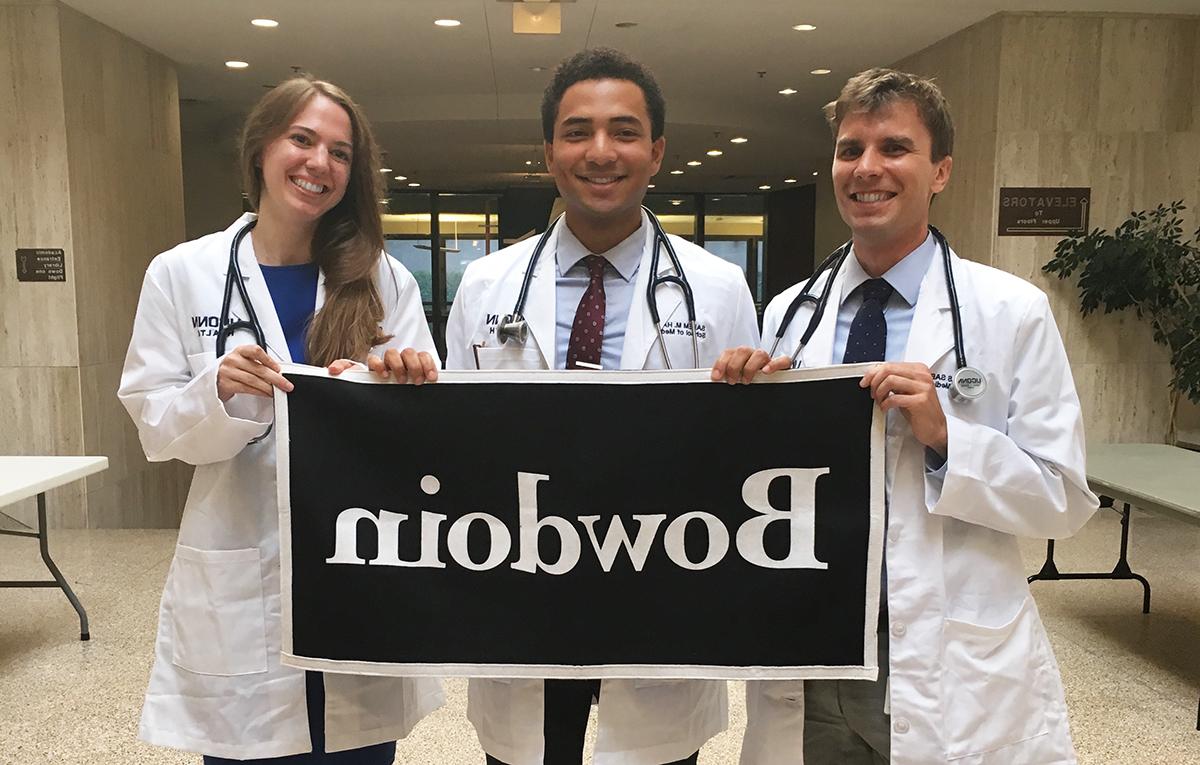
<point x="1146" y="264"/>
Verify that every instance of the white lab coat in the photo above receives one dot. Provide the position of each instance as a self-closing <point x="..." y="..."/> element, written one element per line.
<point x="641" y="722"/>
<point x="973" y="678"/>
<point x="217" y="686"/>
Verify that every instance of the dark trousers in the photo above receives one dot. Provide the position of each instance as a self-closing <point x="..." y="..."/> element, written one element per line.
<point x="568" y="703"/>
<point x="314" y="689"/>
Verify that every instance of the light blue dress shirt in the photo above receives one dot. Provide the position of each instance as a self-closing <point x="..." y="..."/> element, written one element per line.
<point x="905" y="278"/>
<point x="571" y="281"/>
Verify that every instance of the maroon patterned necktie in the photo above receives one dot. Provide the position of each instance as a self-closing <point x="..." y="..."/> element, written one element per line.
<point x="587" y="333"/>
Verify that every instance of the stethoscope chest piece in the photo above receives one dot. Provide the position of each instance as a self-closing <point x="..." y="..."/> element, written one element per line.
<point x="968" y="384"/>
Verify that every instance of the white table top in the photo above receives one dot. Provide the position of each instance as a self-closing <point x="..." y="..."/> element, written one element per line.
<point x="1156" y="477"/>
<point x="22" y="477"/>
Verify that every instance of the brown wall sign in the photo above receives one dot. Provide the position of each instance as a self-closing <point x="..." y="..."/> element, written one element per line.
<point x="1034" y="211"/>
<point x="41" y="264"/>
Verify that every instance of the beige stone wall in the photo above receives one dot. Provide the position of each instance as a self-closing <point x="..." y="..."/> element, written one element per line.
<point x="95" y="159"/>
<point x="1104" y="101"/>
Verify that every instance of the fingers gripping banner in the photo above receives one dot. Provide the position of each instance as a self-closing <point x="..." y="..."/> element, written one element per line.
<point x="579" y="524"/>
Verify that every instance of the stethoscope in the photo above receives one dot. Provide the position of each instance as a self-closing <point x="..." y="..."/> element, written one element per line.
<point x="233" y="276"/>
<point x="515" y="327"/>
<point x="968" y="382"/>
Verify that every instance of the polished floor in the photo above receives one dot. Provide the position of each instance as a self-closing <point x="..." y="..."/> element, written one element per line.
<point x="1132" y="680"/>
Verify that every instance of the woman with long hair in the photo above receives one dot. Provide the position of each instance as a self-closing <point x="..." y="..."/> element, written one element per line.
<point x="323" y="292"/>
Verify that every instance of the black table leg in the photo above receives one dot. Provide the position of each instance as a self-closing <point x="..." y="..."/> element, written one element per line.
<point x="59" y="580"/>
<point x="1121" y="569"/>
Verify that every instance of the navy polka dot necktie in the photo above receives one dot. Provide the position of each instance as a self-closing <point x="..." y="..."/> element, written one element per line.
<point x="867" y="340"/>
<point x="587" y="333"/>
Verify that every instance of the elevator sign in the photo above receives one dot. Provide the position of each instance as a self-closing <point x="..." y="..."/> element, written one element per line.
<point x="42" y="264"/>
<point x="1031" y="211"/>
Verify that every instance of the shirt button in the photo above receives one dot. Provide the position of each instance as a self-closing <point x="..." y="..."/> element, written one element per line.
<point x="898" y="629"/>
<point x="900" y="726"/>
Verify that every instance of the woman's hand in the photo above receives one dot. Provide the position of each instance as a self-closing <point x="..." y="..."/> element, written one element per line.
<point x="248" y="369"/>
<point x="407" y="365"/>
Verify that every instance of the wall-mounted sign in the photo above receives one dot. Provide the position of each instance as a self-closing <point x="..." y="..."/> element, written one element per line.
<point x="41" y="264"/>
<point x="1031" y="211"/>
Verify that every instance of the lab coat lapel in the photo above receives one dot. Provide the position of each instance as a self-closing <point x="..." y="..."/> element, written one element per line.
<point x="260" y="296"/>
<point x="539" y="305"/>
<point x="819" y="351"/>
<point x="641" y="333"/>
<point x="932" y="334"/>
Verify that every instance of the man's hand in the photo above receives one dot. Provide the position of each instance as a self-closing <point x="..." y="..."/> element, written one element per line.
<point x="909" y="387"/>
<point x="739" y="365"/>
<point x="248" y="369"/>
<point x="407" y="365"/>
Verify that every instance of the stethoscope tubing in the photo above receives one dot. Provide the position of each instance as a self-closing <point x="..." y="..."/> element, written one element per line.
<point x="679" y="279"/>
<point x="233" y="276"/>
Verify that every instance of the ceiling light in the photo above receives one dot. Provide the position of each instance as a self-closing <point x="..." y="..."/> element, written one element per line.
<point x="414" y="185"/>
<point x="541" y="18"/>
<point x="789" y="180"/>
<point x="529" y="161"/>
<point x="676" y="202"/>
<point x="764" y="187"/>
<point x="716" y="199"/>
<point x="236" y="64"/>
<point x="537" y="68"/>
<point x="650" y="186"/>
<point x="402" y="177"/>
<point x="676" y="172"/>
<point x="626" y="24"/>
<point x="695" y="163"/>
<point x="738" y="139"/>
<point x="265" y="23"/>
<point x="820" y="71"/>
<point x="385" y="169"/>
<point x="788" y="92"/>
<point x="814" y="172"/>
<point x="804" y="27"/>
<point x="447" y="23"/>
<point x="714" y="152"/>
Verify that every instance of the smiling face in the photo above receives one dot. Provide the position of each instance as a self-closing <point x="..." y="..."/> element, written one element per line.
<point x="884" y="177"/>
<point x="306" y="168"/>
<point x="602" y="157"/>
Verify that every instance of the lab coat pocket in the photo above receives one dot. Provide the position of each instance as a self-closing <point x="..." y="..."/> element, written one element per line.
<point x="218" y="621"/>
<point x="198" y="362"/>
<point x="996" y="683"/>
<point x="509" y="357"/>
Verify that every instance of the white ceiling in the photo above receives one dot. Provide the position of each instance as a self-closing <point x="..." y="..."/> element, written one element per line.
<point x="457" y="109"/>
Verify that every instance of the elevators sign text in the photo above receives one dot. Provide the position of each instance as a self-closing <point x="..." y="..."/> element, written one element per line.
<point x="42" y="264"/>
<point x="1036" y="211"/>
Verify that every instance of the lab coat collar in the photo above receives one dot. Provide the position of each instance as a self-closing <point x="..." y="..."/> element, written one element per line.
<point x="260" y="295"/>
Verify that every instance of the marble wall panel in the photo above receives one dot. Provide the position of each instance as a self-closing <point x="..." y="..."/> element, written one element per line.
<point x="1049" y="72"/>
<point x="37" y="320"/>
<point x="1147" y="66"/>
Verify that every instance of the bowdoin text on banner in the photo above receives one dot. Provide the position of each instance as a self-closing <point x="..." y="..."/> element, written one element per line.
<point x="579" y="524"/>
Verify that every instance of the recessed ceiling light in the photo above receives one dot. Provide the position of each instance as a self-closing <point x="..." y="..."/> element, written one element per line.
<point x="537" y="68"/>
<point x="716" y="199"/>
<point x="789" y="180"/>
<point x="714" y="152"/>
<point x="414" y="185"/>
<point x="764" y="187"/>
<point x="788" y="92"/>
<point x="676" y="202"/>
<point x="265" y="23"/>
<point x="738" y="139"/>
<point x="626" y="24"/>
<point x="385" y="169"/>
<point x="236" y="64"/>
<point x="814" y="172"/>
<point x="820" y="71"/>
<point x="676" y="172"/>
<point x="804" y="27"/>
<point x="402" y="177"/>
<point x="650" y="186"/>
<point x="447" y="23"/>
<point x="529" y="161"/>
<point x="695" y="163"/>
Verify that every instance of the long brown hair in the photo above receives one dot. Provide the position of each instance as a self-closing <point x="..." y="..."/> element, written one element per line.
<point x="348" y="241"/>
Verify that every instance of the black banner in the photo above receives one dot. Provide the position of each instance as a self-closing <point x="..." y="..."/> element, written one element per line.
<point x="578" y="524"/>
